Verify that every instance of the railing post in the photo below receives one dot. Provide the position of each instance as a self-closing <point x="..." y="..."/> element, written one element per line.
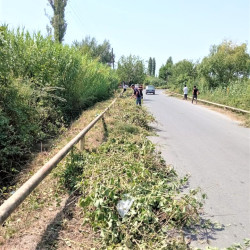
<point x="81" y="144"/>
<point x="108" y="110"/>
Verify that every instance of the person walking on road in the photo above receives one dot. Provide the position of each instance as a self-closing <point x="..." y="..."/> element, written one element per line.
<point x="136" y="94"/>
<point x="195" y="93"/>
<point x="185" y="91"/>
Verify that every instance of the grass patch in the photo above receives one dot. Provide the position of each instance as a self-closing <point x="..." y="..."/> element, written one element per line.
<point x="128" y="128"/>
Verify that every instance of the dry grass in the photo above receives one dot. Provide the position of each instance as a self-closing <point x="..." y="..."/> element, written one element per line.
<point x="50" y="218"/>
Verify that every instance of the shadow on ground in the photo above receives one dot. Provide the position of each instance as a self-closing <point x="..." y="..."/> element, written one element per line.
<point x="204" y="233"/>
<point x="50" y="236"/>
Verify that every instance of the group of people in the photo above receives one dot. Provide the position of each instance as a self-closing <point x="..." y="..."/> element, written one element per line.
<point x="195" y="93"/>
<point x="137" y="92"/>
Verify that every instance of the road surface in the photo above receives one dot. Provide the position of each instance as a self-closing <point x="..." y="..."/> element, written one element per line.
<point x="215" y="150"/>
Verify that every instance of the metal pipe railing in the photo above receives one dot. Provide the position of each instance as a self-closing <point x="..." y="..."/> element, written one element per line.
<point x="19" y="196"/>
<point x="216" y="104"/>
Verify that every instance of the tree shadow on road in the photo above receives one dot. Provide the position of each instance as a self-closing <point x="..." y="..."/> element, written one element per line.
<point x="204" y="232"/>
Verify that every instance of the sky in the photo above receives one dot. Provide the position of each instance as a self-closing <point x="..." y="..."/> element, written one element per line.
<point x="182" y="29"/>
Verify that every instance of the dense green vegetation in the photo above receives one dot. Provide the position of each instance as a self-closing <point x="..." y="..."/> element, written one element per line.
<point x="127" y="165"/>
<point x="165" y="71"/>
<point x="155" y="81"/>
<point x="131" y="69"/>
<point x="222" y="76"/>
<point x="43" y="86"/>
<point x="90" y="46"/>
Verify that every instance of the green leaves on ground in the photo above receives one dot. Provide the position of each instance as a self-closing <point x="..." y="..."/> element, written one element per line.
<point x="127" y="164"/>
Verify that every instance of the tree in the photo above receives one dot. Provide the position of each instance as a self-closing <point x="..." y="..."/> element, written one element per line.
<point x="165" y="71"/>
<point x="101" y="51"/>
<point x="226" y="62"/>
<point x="57" y="21"/>
<point x="131" y="69"/>
<point x="183" y="72"/>
<point x="153" y="67"/>
<point x="150" y="66"/>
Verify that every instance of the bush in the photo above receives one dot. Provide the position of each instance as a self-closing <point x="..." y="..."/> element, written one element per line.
<point x="236" y="94"/>
<point x="43" y="86"/>
<point x="157" y="82"/>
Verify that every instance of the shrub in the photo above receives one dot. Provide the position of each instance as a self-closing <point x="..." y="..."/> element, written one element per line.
<point x="43" y="86"/>
<point x="157" y="82"/>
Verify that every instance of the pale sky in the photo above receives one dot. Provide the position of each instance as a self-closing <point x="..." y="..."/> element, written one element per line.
<point x="183" y="29"/>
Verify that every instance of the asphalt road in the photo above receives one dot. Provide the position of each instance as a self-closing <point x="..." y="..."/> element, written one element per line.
<point x="215" y="151"/>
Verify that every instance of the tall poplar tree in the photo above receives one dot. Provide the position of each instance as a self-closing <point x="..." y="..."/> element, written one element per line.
<point x="57" y="21"/>
<point x="150" y="66"/>
<point x="153" y="67"/>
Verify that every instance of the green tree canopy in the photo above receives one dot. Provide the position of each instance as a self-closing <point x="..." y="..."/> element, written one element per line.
<point x="131" y="69"/>
<point x="225" y="62"/>
<point x="155" y="81"/>
<point x="57" y="21"/>
<point x="101" y="51"/>
<point x="165" y="71"/>
<point x="183" y="72"/>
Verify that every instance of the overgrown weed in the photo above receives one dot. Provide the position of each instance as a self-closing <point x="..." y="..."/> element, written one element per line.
<point x="43" y="87"/>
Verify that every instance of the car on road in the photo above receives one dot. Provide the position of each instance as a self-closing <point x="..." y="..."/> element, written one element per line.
<point x="150" y="89"/>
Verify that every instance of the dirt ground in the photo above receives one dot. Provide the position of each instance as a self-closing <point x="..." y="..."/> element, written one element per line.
<point x="50" y="218"/>
<point x="59" y="228"/>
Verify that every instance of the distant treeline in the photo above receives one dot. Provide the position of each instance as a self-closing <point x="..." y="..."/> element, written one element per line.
<point x="222" y="76"/>
<point x="43" y="86"/>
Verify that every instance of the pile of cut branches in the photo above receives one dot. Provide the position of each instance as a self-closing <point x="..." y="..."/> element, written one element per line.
<point x="127" y="166"/>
